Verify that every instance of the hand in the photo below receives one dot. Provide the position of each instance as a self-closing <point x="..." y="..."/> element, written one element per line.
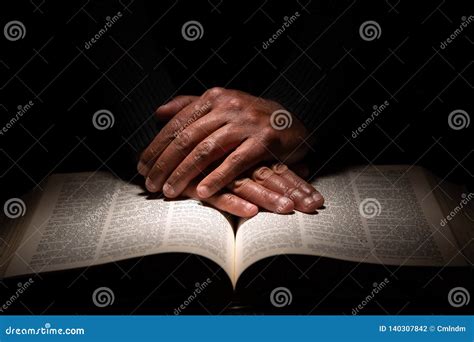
<point x="276" y="189"/>
<point x="220" y="124"/>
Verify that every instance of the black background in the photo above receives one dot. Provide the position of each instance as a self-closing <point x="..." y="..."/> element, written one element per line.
<point x="405" y="66"/>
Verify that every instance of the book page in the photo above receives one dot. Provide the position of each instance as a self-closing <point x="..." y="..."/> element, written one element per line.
<point x="382" y="215"/>
<point x="10" y="234"/>
<point x="458" y="206"/>
<point x="13" y="227"/>
<point x="85" y="219"/>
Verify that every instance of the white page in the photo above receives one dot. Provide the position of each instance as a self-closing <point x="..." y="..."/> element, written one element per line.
<point x="83" y="220"/>
<point x="403" y="233"/>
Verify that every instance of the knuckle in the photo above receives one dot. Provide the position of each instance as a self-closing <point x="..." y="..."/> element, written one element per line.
<point x="231" y="130"/>
<point x="175" y="127"/>
<point x="262" y="173"/>
<point x="150" y="154"/>
<point x="219" y="177"/>
<point x="182" y="141"/>
<point x="299" y="184"/>
<point x="158" y="167"/>
<point x="229" y="198"/>
<point x="266" y="196"/>
<point x="269" y="134"/>
<point x="147" y="155"/>
<point x="253" y="117"/>
<point x="197" y="108"/>
<point x="236" y="103"/>
<point x="215" y="92"/>
<point x="240" y="184"/>
<point x="177" y="174"/>
<point x="203" y="150"/>
<point x="291" y="193"/>
<point x="236" y="158"/>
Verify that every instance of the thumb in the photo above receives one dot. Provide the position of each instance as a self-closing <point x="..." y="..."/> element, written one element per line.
<point x="173" y="107"/>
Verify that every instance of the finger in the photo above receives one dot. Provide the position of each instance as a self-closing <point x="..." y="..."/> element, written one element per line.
<point x="172" y="107"/>
<point x="270" y="180"/>
<point x="227" y="202"/>
<point x="298" y="182"/>
<point x="261" y="196"/>
<point x="212" y="148"/>
<point x="173" y="128"/>
<point x="245" y="156"/>
<point x="179" y="149"/>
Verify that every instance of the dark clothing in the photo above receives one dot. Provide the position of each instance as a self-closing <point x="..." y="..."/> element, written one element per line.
<point x="310" y="57"/>
<point x="263" y="59"/>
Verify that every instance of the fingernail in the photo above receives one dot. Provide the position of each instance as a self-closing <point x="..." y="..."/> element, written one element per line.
<point x="251" y="209"/>
<point x="203" y="191"/>
<point x="280" y="168"/>
<point x="149" y="185"/>
<point x="168" y="190"/>
<point x="318" y="198"/>
<point x="307" y="188"/>
<point x="142" y="168"/>
<point x="309" y="201"/>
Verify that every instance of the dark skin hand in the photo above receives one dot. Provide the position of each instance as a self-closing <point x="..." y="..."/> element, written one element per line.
<point x="186" y="147"/>
<point x="277" y="189"/>
<point x="221" y="124"/>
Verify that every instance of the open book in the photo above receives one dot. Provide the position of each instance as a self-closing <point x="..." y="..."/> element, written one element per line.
<point x="391" y="215"/>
